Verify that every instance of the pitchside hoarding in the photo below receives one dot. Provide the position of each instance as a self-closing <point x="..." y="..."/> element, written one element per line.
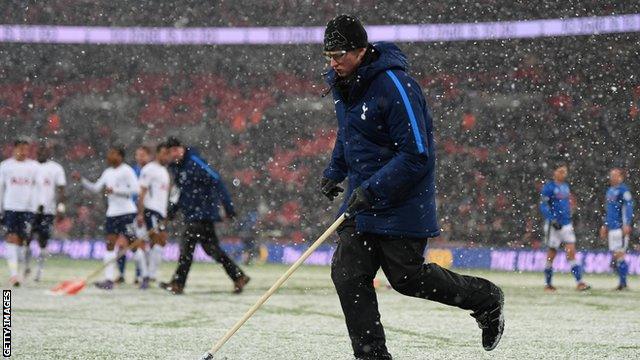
<point x="476" y="258"/>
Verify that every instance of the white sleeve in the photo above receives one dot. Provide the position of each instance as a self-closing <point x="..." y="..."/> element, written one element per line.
<point x="95" y="187"/>
<point x="145" y="177"/>
<point x="61" y="179"/>
<point x="174" y="194"/>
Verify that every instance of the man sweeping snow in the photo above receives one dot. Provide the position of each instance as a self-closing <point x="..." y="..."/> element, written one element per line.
<point x="386" y="150"/>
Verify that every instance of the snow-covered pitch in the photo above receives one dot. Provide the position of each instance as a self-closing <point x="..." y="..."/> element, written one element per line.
<point x="303" y="320"/>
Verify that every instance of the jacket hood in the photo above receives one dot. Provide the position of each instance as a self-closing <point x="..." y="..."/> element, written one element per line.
<point x="189" y="151"/>
<point x="391" y="57"/>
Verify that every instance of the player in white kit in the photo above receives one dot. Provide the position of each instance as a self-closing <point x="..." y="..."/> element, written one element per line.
<point x="48" y="202"/>
<point x="118" y="183"/>
<point x="153" y="201"/>
<point x="142" y="157"/>
<point x="17" y="179"/>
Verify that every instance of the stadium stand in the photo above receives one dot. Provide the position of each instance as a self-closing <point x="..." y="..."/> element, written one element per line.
<point x="546" y="101"/>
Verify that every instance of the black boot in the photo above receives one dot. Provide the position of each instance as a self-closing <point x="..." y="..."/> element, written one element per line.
<point x="172" y="287"/>
<point x="491" y="320"/>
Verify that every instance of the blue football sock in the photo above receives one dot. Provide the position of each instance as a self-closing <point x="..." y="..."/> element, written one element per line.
<point x="576" y="270"/>
<point x="623" y="270"/>
<point x="122" y="260"/>
<point x="548" y="274"/>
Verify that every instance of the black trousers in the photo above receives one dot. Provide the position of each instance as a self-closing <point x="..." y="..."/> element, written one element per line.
<point x="203" y="232"/>
<point x="355" y="263"/>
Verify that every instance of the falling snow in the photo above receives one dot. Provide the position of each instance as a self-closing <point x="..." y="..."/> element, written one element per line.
<point x="506" y="113"/>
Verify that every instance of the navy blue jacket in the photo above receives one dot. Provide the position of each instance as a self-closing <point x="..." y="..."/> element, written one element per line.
<point x="201" y="189"/>
<point x="385" y="144"/>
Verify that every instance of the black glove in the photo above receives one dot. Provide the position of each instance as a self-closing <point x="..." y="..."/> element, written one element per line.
<point x="358" y="202"/>
<point x="231" y="214"/>
<point x="556" y="225"/>
<point x="330" y="188"/>
<point x="172" y="211"/>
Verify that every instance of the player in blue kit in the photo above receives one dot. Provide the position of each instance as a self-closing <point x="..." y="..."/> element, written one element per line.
<point x="556" y="208"/>
<point x="617" y="223"/>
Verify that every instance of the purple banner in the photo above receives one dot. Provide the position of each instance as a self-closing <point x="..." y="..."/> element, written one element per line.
<point x="593" y="262"/>
<point x="321" y="256"/>
<point x="475" y="258"/>
<point x="91" y="249"/>
<point x="313" y="35"/>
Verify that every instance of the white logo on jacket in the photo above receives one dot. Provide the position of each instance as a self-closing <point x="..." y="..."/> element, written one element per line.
<point x="364" y="112"/>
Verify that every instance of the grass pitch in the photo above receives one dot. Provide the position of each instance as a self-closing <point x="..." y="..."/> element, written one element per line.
<point x="303" y="320"/>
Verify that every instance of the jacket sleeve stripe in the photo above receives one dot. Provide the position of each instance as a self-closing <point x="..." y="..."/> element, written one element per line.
<point x="407" y="106"/>
<point x="205" y="167"/>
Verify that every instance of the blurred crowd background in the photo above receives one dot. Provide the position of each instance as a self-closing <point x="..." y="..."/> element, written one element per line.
<point x="505" y="112"/>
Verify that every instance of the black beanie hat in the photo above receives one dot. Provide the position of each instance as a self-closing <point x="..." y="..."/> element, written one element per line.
<point x="344" y="32"/>
<point x="172" y="142"/>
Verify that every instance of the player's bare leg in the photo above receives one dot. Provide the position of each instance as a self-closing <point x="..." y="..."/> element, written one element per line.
<point x="110" y="270"/>
<point x="576" y="269"/>
<point x="14" y="252"/>
<point x="548" y="270"/>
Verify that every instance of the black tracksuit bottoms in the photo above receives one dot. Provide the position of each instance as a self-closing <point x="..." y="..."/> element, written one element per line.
<point x="203" y="232"/>
<point x="355" y="263"/>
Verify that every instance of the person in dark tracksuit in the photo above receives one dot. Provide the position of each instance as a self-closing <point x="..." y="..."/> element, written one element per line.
<point x="385" y="148"/>
<point x="201" y="191"/>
